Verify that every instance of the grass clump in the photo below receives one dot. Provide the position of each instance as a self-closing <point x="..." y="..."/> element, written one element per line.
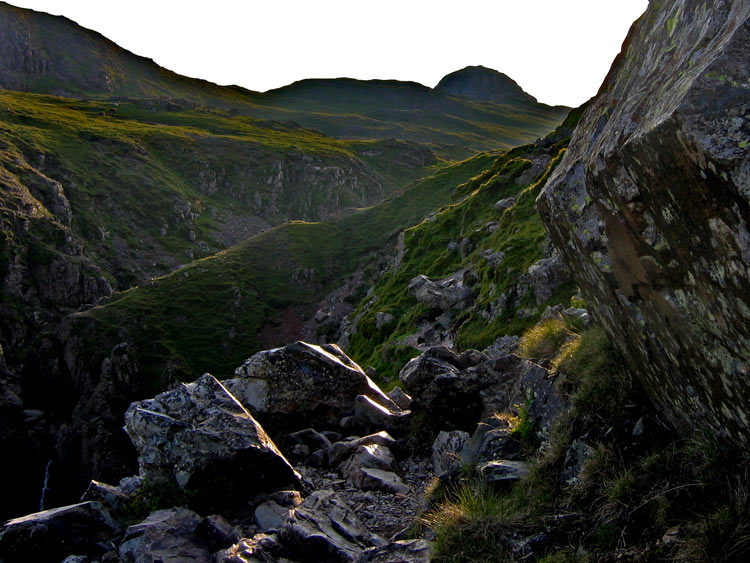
<point x="544" y="340"/>
<point x="473" y="525"/>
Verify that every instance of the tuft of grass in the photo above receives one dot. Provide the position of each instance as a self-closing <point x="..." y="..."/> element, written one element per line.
<point x="474" y="525"/>
<point x="543" y="341"/>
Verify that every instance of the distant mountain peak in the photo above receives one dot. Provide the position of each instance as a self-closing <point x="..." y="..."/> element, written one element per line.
<point x="483" y="84"/>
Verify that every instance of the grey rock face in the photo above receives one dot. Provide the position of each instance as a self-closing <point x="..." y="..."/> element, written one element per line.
<point x="451" y="387"/>
<point x="323" y="528"/>
<point x="111" y="497"/>
<point x="317" y="384"/>
<point x="545" y="276"/>
<point x="575" y="458"/>
<point x="651" y="209"/>
<point x="398" y="396"/>
<point x="199" y="430"/>
<point x="503" y="346"/>
<point x="261" y="548"/>
<point x="373" y="456"/>
<point x="490" y="442"/>
<point x="339" y="451"/>
<point x="83" y="529"/>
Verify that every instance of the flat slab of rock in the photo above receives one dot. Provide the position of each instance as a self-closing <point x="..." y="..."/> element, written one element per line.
<point x="166" y="535"/>
<point x="404" y="551"/>
<point x="199" y="431"/>
<point x="323" y="528"/>
<point x="315" y="384"/>
<point x="84" y="529"/>
<point x="502" y="471"/>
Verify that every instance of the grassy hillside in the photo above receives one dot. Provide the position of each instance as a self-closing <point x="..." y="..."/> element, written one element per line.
<point x="207" y="315"/>
<point x="150" y="186"/>
<point x="430" y="249"/>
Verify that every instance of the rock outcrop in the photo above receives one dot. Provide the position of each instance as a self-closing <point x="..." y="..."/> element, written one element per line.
<point x="651" y="209"/>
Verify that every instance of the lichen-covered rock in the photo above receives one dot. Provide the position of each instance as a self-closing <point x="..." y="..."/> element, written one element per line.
<point x="199" y="436"/>
<point x="84" y="529"/>
<point x="650" y="208"/>
<point x="315" y="384"/>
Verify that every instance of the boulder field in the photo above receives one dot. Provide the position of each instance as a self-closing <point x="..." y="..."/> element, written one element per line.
<point x="344" y="483"/>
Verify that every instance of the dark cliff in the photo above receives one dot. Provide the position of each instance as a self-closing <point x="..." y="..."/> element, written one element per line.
<point x="650" y="208"/>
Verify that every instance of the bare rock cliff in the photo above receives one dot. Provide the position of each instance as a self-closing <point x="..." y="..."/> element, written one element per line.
<point x="651" y="209"/>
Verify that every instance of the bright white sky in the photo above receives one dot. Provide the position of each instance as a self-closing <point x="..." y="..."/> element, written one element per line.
<point x="557" y="50"/>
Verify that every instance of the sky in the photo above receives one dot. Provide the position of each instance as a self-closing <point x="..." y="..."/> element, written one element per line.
<point x="557" y="50"/>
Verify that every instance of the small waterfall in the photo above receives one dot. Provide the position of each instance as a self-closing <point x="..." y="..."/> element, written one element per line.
<point x="44" y="485"/>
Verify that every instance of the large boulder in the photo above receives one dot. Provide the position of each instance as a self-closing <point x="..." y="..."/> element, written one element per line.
<point x="650" y="208"/>
<point x="312" y="384"/>
<point x="199" y="436"/>
<point x="84" y="529"/>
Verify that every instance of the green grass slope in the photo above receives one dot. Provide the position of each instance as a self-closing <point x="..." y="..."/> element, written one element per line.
<point x="207" y="315"/>
<point x="518" y="232"/>
<point x="152" y="186"/>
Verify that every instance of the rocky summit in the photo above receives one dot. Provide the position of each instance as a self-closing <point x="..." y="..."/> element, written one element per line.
<point x="372" y="321"/>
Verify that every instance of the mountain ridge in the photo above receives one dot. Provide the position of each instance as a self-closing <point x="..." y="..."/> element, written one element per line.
<point x="41" y="53"/>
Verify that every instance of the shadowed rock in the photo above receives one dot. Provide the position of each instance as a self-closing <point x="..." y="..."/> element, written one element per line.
<point x="86" y="529"/>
